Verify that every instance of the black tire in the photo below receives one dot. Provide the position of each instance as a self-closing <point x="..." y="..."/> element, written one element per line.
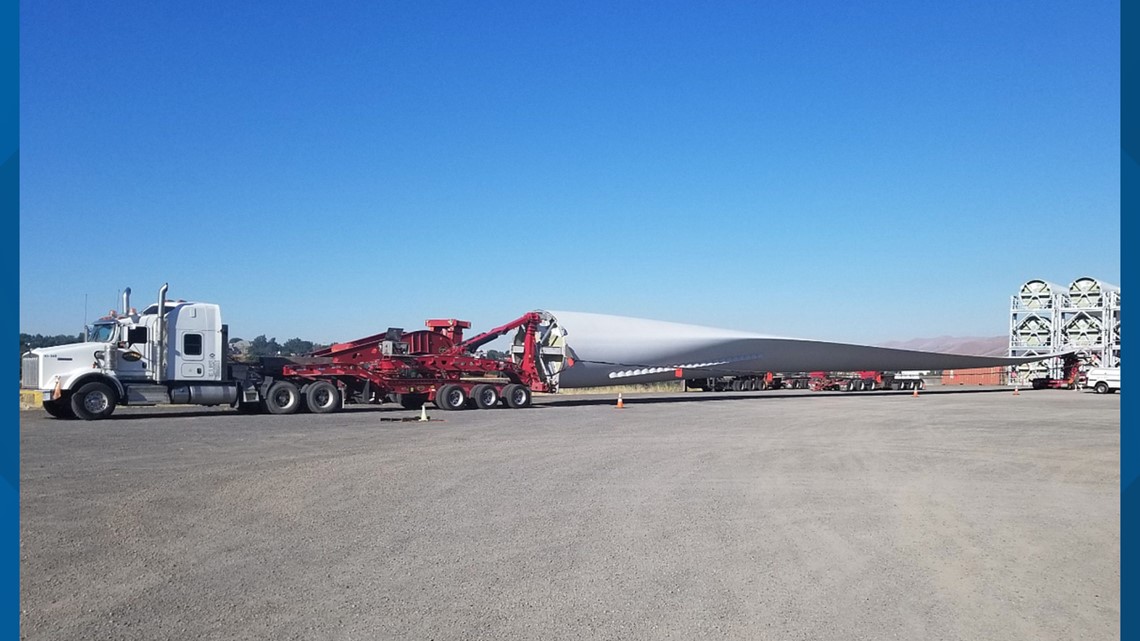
<point x="60" y="409"/>
<point x="484" y="396"/>
<point x="451" y="397"/>
<point x="322" y="397"/>
<point x="283" y="398"/>
<point x="93" y="401"/>
<point x="516" y="396"/>
<point x="412" y="401"/>
<point x="1101" y="388"/>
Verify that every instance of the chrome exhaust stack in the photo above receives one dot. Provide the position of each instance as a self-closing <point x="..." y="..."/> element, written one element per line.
<point x="160" y="368"/>
<point x="126" y="301"/>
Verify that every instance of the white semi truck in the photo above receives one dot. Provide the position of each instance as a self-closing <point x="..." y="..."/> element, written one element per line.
<point x="143" y="359"/>
<point x="176" y="352"/>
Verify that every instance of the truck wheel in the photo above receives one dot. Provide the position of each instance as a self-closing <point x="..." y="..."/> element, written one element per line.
<point x="93" y="401"/>
<point x="450" y="397"/>
<point x="60" y="409"/>
<point x="322" y="397"/>
<point x="485" y="396"/>
<point x="1101" y="388"/>
<point x="516" y="396"/>
<point x="283" y="398"/>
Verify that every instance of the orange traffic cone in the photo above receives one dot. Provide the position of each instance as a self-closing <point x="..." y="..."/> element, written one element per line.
<point x="620" y="404"/>
<point x="915" y="395"/>
<point x="1015" y="392"/>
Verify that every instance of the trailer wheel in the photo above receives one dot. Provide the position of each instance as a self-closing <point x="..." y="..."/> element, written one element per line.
<point x="450" y="397"/>
<point x="322" y="397"/>
<point x="93" y="401"/>
<point x="60" y="409"/>
<point x="283" y="398"/>
<point x="485" y="396"/>
<point x="516" y="396"/>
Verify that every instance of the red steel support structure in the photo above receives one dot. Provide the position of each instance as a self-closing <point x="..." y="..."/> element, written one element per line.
<point x="427" y="365"/>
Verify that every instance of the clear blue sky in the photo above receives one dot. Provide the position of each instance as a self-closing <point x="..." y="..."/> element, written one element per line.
<point x="325" y="170"/>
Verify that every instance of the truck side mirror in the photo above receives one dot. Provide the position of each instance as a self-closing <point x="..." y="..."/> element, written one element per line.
<point x="136" y="335"/>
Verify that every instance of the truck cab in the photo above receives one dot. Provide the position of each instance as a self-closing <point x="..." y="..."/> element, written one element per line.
<point x="132" y="359"/>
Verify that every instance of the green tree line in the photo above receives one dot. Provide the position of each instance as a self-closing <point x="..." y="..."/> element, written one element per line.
<point x="33" y="341"/>
<point x="262" y="346"/>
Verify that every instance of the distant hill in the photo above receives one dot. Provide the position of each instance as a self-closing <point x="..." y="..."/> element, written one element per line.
<point x="971" y="345"/>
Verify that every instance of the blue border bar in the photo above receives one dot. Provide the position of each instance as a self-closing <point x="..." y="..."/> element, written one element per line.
<point x="10" y="207"/>
<point x="1129" y="210"/>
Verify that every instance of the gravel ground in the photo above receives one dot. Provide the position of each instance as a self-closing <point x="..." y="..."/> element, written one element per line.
<point x="961" y="514"/>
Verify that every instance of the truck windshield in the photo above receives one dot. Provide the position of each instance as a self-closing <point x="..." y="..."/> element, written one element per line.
<point x="101" y="333"/>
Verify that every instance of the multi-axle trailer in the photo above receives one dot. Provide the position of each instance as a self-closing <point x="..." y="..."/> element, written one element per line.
<point x="867" y="380"/>
<point x="177" y="352"/>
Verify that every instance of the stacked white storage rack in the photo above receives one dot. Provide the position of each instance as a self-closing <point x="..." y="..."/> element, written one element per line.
<point x="1047" y="318"/>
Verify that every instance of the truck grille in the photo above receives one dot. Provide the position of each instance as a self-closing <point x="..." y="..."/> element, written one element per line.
<point x="30" y="376"/>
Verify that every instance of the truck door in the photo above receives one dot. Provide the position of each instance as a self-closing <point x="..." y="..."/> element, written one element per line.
<point x="191" y="363"/>
<point x="131" y="360"/>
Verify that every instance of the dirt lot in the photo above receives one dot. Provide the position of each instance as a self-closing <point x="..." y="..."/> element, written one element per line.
<point x="961" y="514"/>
